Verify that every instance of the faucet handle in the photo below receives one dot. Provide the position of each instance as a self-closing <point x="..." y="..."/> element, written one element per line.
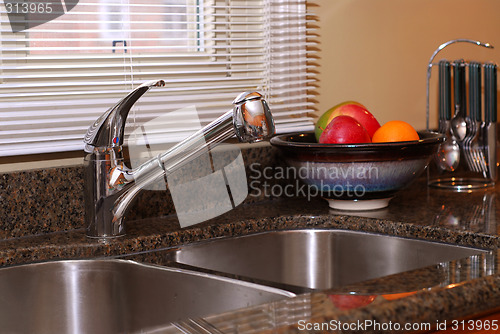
<point x="252" y="118"/>
<point x="108" y="130"/>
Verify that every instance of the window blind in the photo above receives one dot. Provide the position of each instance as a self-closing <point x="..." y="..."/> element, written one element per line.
<point x="57" y="77"/>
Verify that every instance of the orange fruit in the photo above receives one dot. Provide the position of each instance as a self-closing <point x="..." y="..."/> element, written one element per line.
<point x="395" y="131"/>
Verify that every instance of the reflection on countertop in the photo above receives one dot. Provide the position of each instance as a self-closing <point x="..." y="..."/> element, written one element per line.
<point x="474" y="211"/>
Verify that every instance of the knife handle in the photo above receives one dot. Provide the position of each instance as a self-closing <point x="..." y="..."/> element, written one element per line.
<point x="475" y="91"/>
<point x="490" y="93"/>
<point x="444" y="90"/>
<point x="459" y="86"/>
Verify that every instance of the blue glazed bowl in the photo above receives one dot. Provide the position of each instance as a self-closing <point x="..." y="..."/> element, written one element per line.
<point x="357" y="176"/>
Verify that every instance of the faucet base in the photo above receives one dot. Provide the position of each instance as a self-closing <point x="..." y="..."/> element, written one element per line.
<point x="102" y="189"/>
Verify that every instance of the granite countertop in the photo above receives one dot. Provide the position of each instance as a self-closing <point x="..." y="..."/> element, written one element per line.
<point x="465" y="218"/>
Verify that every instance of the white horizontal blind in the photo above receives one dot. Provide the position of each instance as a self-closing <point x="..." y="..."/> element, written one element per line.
<point x="58" y="77"/>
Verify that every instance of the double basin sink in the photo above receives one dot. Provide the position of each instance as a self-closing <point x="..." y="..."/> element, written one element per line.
<point x="200" y="279"/>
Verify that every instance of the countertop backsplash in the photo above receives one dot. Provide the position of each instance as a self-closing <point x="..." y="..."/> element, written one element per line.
<point x="35" y="202"/>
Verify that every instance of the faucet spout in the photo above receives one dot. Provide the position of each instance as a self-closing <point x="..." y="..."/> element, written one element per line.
<point x="110" y="187"/>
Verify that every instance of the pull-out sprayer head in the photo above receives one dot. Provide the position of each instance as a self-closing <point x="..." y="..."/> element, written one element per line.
<point x="252" y="118"/>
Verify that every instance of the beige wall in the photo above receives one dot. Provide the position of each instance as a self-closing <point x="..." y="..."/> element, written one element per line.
<point x="376" y="51"/>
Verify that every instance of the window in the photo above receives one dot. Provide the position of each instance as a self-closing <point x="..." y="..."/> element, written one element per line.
<point x="56" y="78"/>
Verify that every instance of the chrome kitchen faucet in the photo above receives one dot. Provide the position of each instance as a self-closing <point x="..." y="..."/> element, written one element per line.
<point x="110" y="186"/>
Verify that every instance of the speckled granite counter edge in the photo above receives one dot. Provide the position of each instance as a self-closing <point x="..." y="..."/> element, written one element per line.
<point x="154" y="234"/>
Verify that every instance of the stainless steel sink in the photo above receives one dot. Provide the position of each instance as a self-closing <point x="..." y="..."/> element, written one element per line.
<point x="115" y="296"/>
<point x="316" y="259"/>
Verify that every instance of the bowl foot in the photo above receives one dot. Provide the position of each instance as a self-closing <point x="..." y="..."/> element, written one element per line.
<point x="358" y="204"/>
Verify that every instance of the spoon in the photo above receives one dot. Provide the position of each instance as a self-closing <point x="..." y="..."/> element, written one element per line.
<point x="459" y="123"/>
<point x="448" y="155"/>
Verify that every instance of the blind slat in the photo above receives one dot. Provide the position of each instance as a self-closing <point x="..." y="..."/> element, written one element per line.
<point x="58" y="77"/>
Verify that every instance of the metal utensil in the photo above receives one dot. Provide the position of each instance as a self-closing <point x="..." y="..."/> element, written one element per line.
<point x="448" y="155"/>
<point x="471" y="143"/>
<point x="444" y="95"/>
<point x="490" y="117"/>
<point x="459" y="122"/>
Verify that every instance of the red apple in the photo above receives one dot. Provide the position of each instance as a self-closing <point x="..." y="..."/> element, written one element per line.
<point x="326" y="118"/>
<point x="344" y="130"/>
<point x="350" y="108"/>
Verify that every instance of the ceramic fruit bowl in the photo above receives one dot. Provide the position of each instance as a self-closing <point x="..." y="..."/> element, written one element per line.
<point x="357" y="176"/>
